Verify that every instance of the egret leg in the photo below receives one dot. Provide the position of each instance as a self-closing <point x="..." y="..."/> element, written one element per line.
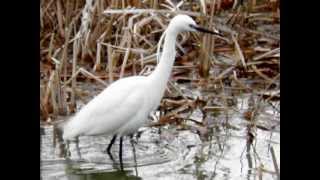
<point x="132" y="140"/>
<point x="120" y="153"/>
<point x="67" y="149"/>
<point x="134" y="153"/>
<point x="110" y="145"/>
<point x="77" y="147"/>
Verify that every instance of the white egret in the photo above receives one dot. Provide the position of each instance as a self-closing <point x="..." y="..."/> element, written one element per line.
<point x="125" y="105"/>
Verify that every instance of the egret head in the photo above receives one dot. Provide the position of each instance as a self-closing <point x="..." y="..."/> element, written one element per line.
<point x="183" y="23"/>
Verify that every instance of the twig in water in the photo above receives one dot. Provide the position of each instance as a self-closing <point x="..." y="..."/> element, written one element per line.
<point x="239" y="82"/>
<point x="275" y="162"/>
<point x="240" y="54"/>
<point x="178" y="90"/>
<point x="274" y="51"/>
<point x="255" y="69"/>
<point x="224" y="73"/>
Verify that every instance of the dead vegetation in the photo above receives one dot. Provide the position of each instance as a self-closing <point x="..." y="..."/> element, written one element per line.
<point x="99" y="41"/>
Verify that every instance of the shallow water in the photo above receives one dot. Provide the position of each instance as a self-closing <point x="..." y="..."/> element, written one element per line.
<point x="172" y="152"/>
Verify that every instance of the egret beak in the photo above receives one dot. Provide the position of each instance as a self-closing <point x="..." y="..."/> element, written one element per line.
<point x="200" y="29"/>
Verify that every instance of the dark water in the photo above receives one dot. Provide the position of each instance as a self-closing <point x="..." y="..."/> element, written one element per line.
<point x="175" y="152"/>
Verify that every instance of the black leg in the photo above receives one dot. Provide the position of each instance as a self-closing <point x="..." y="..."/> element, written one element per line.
<point x="110" y="145"/>
<point x="132" y="136"/>
<point x="67" y="149"/>
<point x="134" y="154"/>
<point x="78" y="148"/>
<point x="120" y="153"/>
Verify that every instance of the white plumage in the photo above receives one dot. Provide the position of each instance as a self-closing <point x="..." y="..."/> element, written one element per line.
<point x="112" y="110"/>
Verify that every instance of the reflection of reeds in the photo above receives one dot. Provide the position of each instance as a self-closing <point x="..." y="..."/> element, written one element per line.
<point x="106" y="40"/>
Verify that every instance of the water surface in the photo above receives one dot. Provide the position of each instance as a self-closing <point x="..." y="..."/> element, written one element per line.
<point x="221" y="151"/>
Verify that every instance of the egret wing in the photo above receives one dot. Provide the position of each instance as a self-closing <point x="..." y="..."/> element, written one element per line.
<point x="110" y="110"/>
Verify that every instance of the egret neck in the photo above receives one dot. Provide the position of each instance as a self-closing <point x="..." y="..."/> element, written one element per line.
<point x="161" y="74"/>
